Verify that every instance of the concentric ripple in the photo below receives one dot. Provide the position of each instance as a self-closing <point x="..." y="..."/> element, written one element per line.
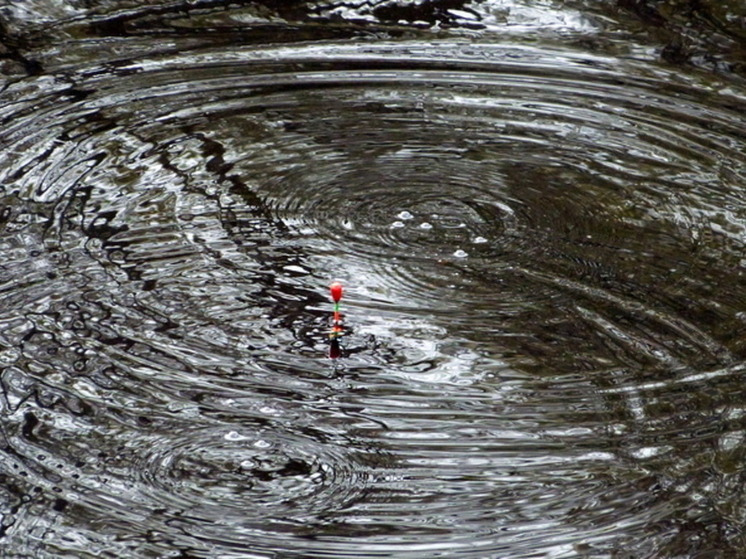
<point x="216" y="471"/>
<point x="543" y="256"/>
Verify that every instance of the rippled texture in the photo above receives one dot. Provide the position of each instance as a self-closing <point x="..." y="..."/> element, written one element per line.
<point x="543" y="253"/>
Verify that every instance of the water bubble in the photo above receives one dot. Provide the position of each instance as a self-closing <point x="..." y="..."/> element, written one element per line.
<point x="404" y="215"/>
<point x="460" y="254"/>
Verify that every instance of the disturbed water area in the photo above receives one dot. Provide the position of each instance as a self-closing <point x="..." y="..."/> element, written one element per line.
<point x="539" y="217"/>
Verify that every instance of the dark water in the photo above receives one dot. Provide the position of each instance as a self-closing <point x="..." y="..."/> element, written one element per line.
<point x="540" y="225"/>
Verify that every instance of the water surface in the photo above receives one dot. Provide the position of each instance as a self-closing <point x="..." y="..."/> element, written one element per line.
<point x="540" y="226"/>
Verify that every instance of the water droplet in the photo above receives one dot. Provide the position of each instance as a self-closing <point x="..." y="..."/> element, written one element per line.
<point x="404" y="215"/>
<point x="461" y="253"/>
<point x="397" y="225"/>
<point x="426" y="225"/>
<point x="479" y="240"/>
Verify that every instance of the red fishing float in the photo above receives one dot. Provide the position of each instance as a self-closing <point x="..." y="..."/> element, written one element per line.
<point x="336" y="291"/>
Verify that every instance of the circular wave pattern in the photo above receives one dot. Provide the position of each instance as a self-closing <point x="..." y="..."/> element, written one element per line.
<point x="542" y="247"/>
<point x="214" y="472"/>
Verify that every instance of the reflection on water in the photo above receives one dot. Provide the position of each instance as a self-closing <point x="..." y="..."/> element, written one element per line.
<point x="540" y="230"/>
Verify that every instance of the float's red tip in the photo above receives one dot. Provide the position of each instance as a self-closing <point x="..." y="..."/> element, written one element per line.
<point x="336" y="291"/>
